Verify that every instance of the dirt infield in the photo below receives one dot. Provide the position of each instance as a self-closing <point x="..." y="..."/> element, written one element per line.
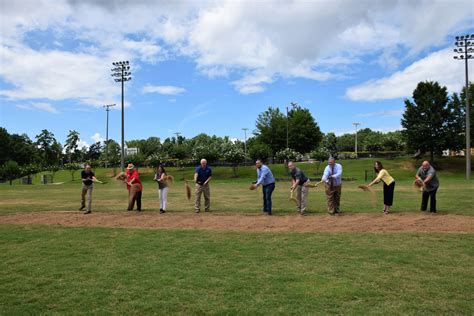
<point x="255" y="223"/>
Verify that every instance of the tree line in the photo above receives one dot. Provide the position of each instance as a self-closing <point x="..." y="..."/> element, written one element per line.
<point x="432" y="122"/>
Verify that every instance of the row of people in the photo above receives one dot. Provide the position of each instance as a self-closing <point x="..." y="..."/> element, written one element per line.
<point x="332" y="179"/>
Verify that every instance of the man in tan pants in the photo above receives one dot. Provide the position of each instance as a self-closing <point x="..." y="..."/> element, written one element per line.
<point x="299" y="182"/>
<point x="332" y="176"/>
<point x="202" y="176"/>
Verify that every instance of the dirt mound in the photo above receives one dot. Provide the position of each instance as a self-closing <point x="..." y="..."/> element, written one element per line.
<point x="258" y="223"/>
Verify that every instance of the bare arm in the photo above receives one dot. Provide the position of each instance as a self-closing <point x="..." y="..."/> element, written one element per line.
<point x="428" y="179"/>
<point x="295" y="184"/>
<point x="207" y="181"/>
<point x="373" y="182"/>
<point x="195" y="177"/>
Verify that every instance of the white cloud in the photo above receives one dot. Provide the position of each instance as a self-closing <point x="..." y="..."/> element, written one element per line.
<point x="387" y="113"/>
<point x="301" y="39"/>
<point x="426" y="23"/>
<point x="169" y="90"/>
<point x="38" y="106"/>
<point x="82" y="143"/>
<point x="252" y="83"/>
<point x="55" y="75"/>
<point x="97" y="138"/>
<point x="438" y="66"/>
<point x="386" y="129"/>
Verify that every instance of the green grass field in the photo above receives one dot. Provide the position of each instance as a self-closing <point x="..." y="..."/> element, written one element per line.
<point x="102" y="271"/>
<point x="57" y="270"/>
<point x="229" y="194"/>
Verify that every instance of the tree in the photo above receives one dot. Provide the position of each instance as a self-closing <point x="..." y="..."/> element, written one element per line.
<point x="235" y="155"/>
<point x="111" y="152"/>
<point x="393" y="141"/>
<point x="72" y="168"/>
<point x="30" y="169"/>
<point x="53" y="169"/>
<point x="373" y="142"/>
<point x="94" y="152"/>
<point x="304" y="134"/>
<point x="160" y="158"/>
<point x="4" y="145"/>
<point x="463" y="105"/>
<point x="271" y="129"/>
<point x="346" y="142"/>
<point x="320" y="154"/>
<point x="18" y="148"/>
<point x="137" y="159"/>
<point x="23" y="150"/>
<point x="456" y="126"/>
<point x="207" y="151"/>
<point x="178" y="152"/>
<point x="260" y="151"/>
<point x="50" y="149"/>
<point x="428" y="120"/>
<point x="71" y="145"/>
<point x="328" y="145"/>
<point x="151" y="146"/>
<point x="10" y="170"/>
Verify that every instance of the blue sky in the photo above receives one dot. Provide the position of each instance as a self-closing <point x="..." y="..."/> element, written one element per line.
<point x="213" y="66"/>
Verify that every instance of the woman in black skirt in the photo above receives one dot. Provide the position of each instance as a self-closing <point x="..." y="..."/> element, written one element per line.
<point x="388" y="185"/>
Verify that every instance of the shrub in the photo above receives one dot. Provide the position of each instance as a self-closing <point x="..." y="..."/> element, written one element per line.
<point x="260" y="151"/>
<point x="208" y="152"/>
<point x="235" y="155"/>
<point x="137" y="159"/>
<point x="288" y="154"/>
<point x="10" y="170"/>
<point x="320" y="154"/>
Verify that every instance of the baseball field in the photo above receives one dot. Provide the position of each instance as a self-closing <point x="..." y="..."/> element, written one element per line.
<point x="233" y="260"/>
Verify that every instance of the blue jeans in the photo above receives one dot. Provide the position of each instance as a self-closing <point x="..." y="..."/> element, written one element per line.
<point x="267" y="197"/>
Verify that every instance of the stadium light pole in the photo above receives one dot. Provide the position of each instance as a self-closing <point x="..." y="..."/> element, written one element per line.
<point x="465" y="52"/>
<point x="287" y="146"/>
<point x="356" y="125"/>
<point x="121" y="73"/>
<point x="107" y="109"/>
<point x="245" y="140"/>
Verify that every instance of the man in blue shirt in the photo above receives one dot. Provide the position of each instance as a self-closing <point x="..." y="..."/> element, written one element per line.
<point x="332" y="177"/>
<point x="202" y="176"/>
<point x="267" y="181"/>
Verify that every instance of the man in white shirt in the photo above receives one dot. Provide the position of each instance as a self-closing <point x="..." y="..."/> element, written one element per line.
<point x="332" y="177"/>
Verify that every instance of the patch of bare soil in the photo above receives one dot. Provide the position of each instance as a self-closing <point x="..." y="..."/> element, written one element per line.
<point x="404" y="222"/>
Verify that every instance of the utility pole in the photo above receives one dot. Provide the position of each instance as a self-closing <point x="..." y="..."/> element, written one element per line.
<point x="177" y="136"/>
<point x="465" y="49"/>
<point x="107" y="109"/>
<point x="356" y="125"/>
<point x="245" y="142"/>
<point x="122" y="74"/>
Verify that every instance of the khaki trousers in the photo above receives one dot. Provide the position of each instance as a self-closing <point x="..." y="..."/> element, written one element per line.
<point x="135" y="195"/>
<point x="333" y="195"/>
<point x="302" y="197"/>
<point x="87" y="190"/>
<point x="200" y="189"/>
